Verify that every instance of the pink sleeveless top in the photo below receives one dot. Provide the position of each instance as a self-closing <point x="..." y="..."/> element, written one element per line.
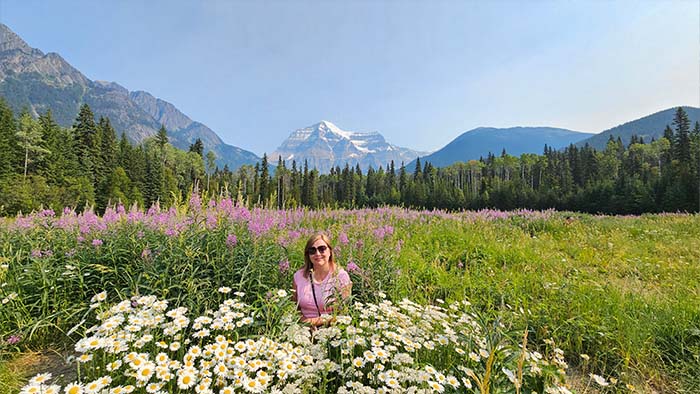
<point x="326" y="292"/>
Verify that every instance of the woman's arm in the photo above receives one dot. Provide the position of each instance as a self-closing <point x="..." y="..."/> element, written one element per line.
<point x="318" y="321"/>
<point x="346" y="291"/>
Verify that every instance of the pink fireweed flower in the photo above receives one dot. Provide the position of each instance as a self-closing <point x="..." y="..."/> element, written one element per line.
<point x="146" y="254"/>
<point x="13" y="339"/>
<point x="284" y="266"/>
<point x="97" y="242"/>
<point x="343" y="239"/>
<point x="352" y="267"/>
<point x="36" y="253"/>
<point x="195" y="202"/>
<point x="231" y="240"/>
<point x="211" y="219"/>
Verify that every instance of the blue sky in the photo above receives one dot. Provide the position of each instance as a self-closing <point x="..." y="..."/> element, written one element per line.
<point x="419" y="72"/>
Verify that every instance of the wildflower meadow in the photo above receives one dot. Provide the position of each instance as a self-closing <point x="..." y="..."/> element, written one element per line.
<point x="197" y="298"/>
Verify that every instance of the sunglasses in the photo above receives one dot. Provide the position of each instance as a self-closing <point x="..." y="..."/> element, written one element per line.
<point x="312" y="250"/>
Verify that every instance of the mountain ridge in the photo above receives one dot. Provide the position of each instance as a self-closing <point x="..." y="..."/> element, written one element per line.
<point x="29" y="78"/>
<point x="478" y="142"/>
<point x="647" y="127"/>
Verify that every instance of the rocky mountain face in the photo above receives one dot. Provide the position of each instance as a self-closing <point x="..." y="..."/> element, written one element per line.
<point x="325" y="145"/>
<point x="29" y="78"/>
<point x="478" y="142"/>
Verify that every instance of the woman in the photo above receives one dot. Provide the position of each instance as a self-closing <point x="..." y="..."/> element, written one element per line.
<point x="319" y="283"/>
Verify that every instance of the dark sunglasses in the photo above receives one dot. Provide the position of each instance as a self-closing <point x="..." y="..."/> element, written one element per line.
<point x="312" y="250"/>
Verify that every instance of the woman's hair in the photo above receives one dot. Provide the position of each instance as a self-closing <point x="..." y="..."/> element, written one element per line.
<point x="308" y="265"/>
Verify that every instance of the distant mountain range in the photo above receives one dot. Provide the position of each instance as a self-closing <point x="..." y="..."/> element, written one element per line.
<point x="325" y="145"/>
<point x="478" y="142"/>
<point x="37" y="81"/>
<point x="648" y="127"/>
<point x="29" y="78"/>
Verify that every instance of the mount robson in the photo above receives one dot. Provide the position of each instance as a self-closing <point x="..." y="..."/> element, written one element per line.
<point x="39" y="82"/>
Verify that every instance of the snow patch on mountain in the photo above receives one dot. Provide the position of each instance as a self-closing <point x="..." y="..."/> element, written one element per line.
<point x="325" y="145"/>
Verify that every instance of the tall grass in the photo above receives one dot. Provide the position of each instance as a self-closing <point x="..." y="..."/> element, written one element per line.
<point x="623" y="290"/>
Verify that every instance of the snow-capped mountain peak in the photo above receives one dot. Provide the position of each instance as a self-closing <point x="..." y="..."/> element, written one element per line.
<point x="325" y="145"/>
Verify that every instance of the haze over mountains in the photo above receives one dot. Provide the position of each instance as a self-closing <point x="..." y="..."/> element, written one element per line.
<point x="40" y="82"/>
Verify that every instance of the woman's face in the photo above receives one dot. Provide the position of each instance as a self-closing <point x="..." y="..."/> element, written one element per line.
<point x="319" y="254"/>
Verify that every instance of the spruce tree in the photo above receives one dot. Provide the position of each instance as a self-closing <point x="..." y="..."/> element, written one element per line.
<point x="197" y="147"/>
<point x="87" y="143"/>
<point x="417" y="172"/>
<point x="162" y="137"/>
<point x="9" y="148"/>
<point x="61" y="162"/>
<point x="264" y="180"/>
<point x="682" y="141"/>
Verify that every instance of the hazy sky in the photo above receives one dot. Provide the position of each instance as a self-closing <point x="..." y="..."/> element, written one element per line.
<point x="419" y="72"/>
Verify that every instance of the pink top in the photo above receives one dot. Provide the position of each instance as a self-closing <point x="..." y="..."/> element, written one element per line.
<point x="325" y="291"/>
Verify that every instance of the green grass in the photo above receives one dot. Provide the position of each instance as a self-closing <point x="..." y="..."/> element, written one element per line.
<point x="624" y="290"/>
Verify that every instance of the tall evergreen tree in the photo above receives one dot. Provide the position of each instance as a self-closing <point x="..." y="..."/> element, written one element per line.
<point x="417" y="172"/>
<point x="682" y="142"/>
<point x="264" y="180"/>
<point x="61" y="162"/>
<point x="9" y="148"/>
<point x="197" y="147"/>
<point x="88" y="143"/>
<point x="162" y="137"/>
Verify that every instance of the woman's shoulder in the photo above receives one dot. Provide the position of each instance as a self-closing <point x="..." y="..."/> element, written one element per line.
<point x="342" y="275"/>
<point x="299" y="275"/>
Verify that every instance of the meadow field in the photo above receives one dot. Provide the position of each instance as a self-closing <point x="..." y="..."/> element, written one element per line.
<point x="196" y="298"/>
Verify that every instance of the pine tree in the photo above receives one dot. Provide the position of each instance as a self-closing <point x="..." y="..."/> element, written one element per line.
<point x="305" y="187"/>
<point x="162" y="137"/>
<point x="61" y="163"/>
<point x="9" y="148"/>
<point x="153" y="188"/>
<point x="417" y="172"/>
<point x="296" y="184"/>
<point x="264" y="180"/>
<point x="87" y="143"/>
<point x="682" y="141"/>
<point x="197" y="147"/>
<point x="313" y="188"/>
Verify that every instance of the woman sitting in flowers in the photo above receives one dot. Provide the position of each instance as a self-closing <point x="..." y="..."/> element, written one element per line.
<point x="320" y="281"/>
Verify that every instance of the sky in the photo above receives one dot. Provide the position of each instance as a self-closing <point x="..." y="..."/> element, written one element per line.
<point x="419" y="72"/>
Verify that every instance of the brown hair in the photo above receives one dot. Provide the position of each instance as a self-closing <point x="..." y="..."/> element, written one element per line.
<point x="308" y="265"/>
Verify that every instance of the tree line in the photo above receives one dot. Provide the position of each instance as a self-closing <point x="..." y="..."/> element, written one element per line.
<point x="45" y="165"/>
